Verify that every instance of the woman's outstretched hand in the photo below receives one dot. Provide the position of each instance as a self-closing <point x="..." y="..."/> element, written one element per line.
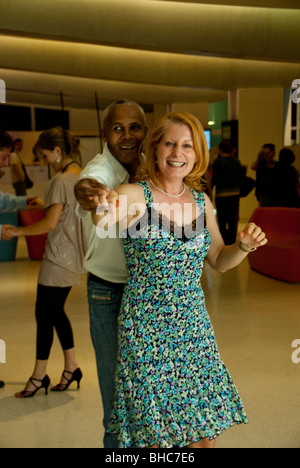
<point x="252" y="237"/>
<point x="106" y="208"/>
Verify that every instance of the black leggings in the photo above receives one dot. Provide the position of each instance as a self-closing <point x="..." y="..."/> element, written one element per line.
<point x="50" y="314"/>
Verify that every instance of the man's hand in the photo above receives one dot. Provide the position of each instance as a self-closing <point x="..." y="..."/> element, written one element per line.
<point x="90" y="193"/>
<point x="6" y="235"/>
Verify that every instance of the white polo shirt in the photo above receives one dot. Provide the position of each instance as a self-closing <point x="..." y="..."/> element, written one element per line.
<point x="105" y="257"/>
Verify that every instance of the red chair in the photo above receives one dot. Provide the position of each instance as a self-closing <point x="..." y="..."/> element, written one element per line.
<point x="280" y="258"/>
<point x="36" y="244"/>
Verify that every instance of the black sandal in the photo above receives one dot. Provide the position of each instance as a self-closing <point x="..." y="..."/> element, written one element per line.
<point x="27" y="394"/>
<point x="76" y="376"/>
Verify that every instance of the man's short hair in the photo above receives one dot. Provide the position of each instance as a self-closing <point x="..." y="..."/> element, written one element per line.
<point x="108" y="111"/>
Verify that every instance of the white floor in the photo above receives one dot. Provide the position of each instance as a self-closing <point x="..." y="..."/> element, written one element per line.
<point x="256" y="319"/>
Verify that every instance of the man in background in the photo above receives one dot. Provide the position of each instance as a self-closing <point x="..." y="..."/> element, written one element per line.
<point x="227" y="176"/>
<point x="8" y="203"/>
<point x="11" y="203"/>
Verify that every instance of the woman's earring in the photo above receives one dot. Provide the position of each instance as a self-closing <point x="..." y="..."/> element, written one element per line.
<point x="58" y="161"/>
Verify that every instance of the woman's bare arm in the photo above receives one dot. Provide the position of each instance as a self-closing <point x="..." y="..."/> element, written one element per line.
<point x="223" y="258"/>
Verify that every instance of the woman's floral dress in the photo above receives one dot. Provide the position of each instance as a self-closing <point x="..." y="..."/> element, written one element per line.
<point x="172" y="388"/>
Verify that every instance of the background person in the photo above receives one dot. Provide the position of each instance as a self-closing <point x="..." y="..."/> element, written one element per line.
<point x="227" y="174"/>
<point x="7" y="203"/>
<point x="265" y="167"/>
<point x="63" y="260"/>
<point x="10" y="203"/>
<point x="286" y="181"/>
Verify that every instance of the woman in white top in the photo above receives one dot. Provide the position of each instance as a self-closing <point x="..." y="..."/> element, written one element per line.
<point x="63" y="260"/>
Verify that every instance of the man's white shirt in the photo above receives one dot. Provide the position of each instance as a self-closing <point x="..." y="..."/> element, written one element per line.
<point x="105" y="257"/>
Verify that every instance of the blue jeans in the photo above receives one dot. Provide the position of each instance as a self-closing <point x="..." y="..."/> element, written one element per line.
<point x="104" y="306"/>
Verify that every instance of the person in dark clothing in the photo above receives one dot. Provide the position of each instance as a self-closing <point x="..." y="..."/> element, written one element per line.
<point x="286" y="181"/>
<point x="227" y="173"/>
<point x="266" y="167"/>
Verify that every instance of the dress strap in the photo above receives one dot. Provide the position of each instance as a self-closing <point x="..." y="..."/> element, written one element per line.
<point x="147" y="192"/>
<point x="200" y="200"/>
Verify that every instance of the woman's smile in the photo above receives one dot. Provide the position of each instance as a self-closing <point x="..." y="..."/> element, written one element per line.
<point x="176" y="163"/>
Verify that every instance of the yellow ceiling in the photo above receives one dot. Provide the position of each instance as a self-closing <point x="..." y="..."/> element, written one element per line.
<point x="253" y="3"/>
<point x="153" y="51"/>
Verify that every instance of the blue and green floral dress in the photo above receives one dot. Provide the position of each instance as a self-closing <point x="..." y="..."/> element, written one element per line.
<point x="172" y="389"/>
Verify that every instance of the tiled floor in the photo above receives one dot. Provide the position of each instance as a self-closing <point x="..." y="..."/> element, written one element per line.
<point x="256" y="319"/>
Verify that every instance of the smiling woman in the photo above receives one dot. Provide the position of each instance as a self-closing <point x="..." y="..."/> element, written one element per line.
<point x="187" y="136"/>
<point x="172" y="388"/>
